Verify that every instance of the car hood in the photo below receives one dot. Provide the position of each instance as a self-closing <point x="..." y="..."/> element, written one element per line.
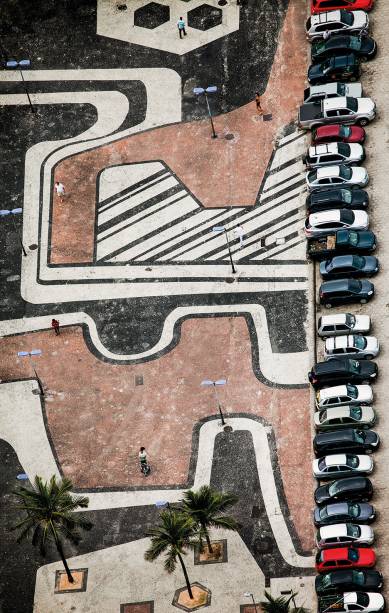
<point x="367" y="368"/>
<point x="376" y="601"/>
<point x="361" y="20"/>
<point x="366" y="105"/>
<point x="365" y="394"/>
<point x="372" y="438"/>
<point x="366" y="239"/>
<point x="365" y="463"/>
<point x="367" y="286"/>
<point x="372" y="343"/>
<point x="363" y="321"/>
<point x="366" y="556"/>
<point x="359" y="175"/>
<point x="356" y="151"/>
<point x="321" y="494"/>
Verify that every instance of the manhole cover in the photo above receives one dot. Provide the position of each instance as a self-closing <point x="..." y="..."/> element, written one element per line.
<point x="228" y="429"/>
<point x="33" y="246"/>
<point x="230" y="280"/>
<point x="139" y="380"/>
<point x="229" y="137"/>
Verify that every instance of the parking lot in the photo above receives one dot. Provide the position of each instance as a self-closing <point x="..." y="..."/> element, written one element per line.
<point x="376" y="85"/>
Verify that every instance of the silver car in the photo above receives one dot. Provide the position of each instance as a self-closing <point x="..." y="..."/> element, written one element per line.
<point x="329" y="154"/>
<point x="339" y="176"/>
<point x="340" y="395"/>
<point x="358" y="346"/>
<point x="339" y="535"/>
<point x="342" y="465"/>
<point x="325" y="222"/>
<point x="336" y="22"/>
<point x="354" y="415"/>
<point x="343" y="323"/>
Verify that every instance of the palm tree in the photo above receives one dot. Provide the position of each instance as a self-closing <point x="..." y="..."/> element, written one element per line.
<point x="173" y="535"/>
<point x="206" y="508"/>
<point x="280" y="604"/>
<point x="50" y="515"/>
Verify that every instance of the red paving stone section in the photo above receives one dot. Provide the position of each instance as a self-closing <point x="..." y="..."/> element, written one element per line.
<point x="142" y="607"/>
<point x="234" y="168"/>
<point x="98" y="418"/>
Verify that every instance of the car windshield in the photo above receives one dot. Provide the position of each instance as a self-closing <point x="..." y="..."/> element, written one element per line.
<point x="320" y="47"/>
<point x="344" y="131"/>
<point x="325" y="581"/>
<point x="322" y="464"/>
<point x="353" y="530"/>
<point x="358" y="261"/>
<point x="350" y="318"/>
<point x="360" y="342"/>
<point x="353" y="238"/>
<point x="323" y="513"/>
<point x="355" y="43"/>
<point x="354" y="366"/>
<point x="354" y="286"/>
<point x="358" y="577"/>
<point x="344" y="149"/>
<point x="312" y="175"/>
<point x="347" y="17"/>
<point x="347" y="216"/>
<point x="353" y="555"/>
<point x="363" y="599"/>
<point x="354" y="510"/>
<point x="345" y="172"/>
<point x="356" y="413"/>
<point x="352" y="391"/>
<point x="326" y="65"/>
<point x="352" y="461"/>
<point x="352" y="104"/>
<point x="323" y="416"/>
<point x="334" y="488"/>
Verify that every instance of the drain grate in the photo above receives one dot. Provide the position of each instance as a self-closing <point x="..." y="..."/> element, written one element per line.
<point x="138" y="379"/>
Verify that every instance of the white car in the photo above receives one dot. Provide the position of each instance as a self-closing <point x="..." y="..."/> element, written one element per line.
<point x="332" y="90"/>
<point x="363" y="602"/>
<point x="343" y="323"/>
<point x="336" y="22"/>
<point x="334" y="153"/>
<point x="340" y="175"/>
<point x="341" y="395"/>
<point x="344" y="534"/>
<point x="342" y="465"/>
<point x="352" y="346"/>
<point x="326" y="222"/>
<point x="360" y="416"/>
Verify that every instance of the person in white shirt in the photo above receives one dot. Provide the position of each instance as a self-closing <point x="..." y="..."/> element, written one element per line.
<point x="60" y="190"/>
<point x="239" y="232"/>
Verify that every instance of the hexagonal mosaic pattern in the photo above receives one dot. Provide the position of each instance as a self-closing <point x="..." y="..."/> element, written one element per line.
<point x="205" y="17"/>
<point x="151" y="15"/>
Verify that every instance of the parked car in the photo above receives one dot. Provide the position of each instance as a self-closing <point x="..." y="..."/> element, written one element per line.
<point x="335" y="68"/>
<point x="338" y="133"/>
<point x="346" y="440"/>
<point x="344" y="580"/>
<point x="343" y="395"/>
<point x="344" y="557"/>
<point x="334" y="153"/>
<point x="340" y="242"/>
<point x="339" y="175"/>
<point x="338" y="535"/>
<point x="352" y="415"/>
<point x="349" y="266"/>
<point x="344" y="291"/>
<point x="326" y="222"/>
<point x="358" y="346"/>
<point x="342" y="370"/>
<point x="332" y="90"/>
<point x="338" y="512"/>
<point x="364" y="47"/>
<point x="365" y="602"/>
<point x="336" y="22"/>
<point x="350" y="489"/>
<point x="319" y="6"/>
<point x="342" y="110"/>
<point x="342" y="465"/>
<point x="342" y="323"/>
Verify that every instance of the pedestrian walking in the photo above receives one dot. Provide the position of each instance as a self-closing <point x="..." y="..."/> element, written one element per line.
<point x="258" y="103"/>
<point x="144" y="465"/>
<point x="55" y="326"/>
<point x="239" y="232"/>
<point x="60" y="189"/>
<point x="181" y="27"/>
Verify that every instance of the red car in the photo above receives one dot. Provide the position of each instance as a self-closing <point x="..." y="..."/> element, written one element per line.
<point x="344" y="557"/>
<point x="334" y="133"/>
<point x="319" y="6"/>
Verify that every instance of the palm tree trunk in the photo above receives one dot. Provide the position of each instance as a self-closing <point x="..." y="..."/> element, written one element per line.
<point x="207" y="539"/>
<point x="186" y="576"/>
<point x="61" y="553"/>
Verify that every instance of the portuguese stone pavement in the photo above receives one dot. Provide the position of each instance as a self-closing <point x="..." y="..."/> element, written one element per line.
<point x="143" y="288"/>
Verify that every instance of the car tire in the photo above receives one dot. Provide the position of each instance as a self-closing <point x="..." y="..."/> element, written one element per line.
<point x="363" y="301"/>
<point x="328" y="305"/>
<point x="363" y="122"/>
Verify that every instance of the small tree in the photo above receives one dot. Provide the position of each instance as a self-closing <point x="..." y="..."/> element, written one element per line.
<point x="49" y="509"/>
<point x="172" y="536"/>
<point x="280" y="604"/>
<point x="206" y="508"/>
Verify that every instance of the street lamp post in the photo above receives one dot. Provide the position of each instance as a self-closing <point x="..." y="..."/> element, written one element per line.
<point x="30" y="354"/>
<point x="211" y="89"/>
<point x="14" y="65"/>
<point x="218" y="230"/>
<point x="215" y="384"/>
<point x="250" y="595"/>
<point x="13" y="212"/>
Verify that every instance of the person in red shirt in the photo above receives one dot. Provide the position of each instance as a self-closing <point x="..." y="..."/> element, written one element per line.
<point x="55" y="325"/>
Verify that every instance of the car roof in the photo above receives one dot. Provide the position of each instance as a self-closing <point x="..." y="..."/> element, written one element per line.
<point x="336" y="284"/>
<point x="331" y="104"/>
<point x="335" y="363"/>
<point x="338" y="553"/>
<point x="327" y="532"/>
<point x="328" y="172"/>
<point x="331" y="320"/>
<point x="337" y="507"/>
<point x="322" y="149"/>
<point x="331" y="130"/>
<point x="324" y="216"/>
<point x="343" y="260"/>
<point x="338" y="390"/>
<point x="337" y="412"/>
<point x="336" y="435"/>
<point x="353" y="483"/>
<point x="325" y="16"/>
<point x="335" y="459"/>
<point x="340" y="342"/>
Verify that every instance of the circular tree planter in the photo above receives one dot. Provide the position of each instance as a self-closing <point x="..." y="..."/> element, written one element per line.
<point x="201" y="598"/>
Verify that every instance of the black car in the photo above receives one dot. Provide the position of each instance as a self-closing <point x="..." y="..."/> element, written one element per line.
<point x="349" y="439"/>
<point x="353" y="489"/>
<point x="349" y="265"/>
<point x="344" y="291"/>
<point x="338" y="371"/>
<point x="341" y="512"/>
<point x="336" y="68"/>
<point x="340" y="581"/>
<point x="364" y="48"/>
<point x="340" y="198"/>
